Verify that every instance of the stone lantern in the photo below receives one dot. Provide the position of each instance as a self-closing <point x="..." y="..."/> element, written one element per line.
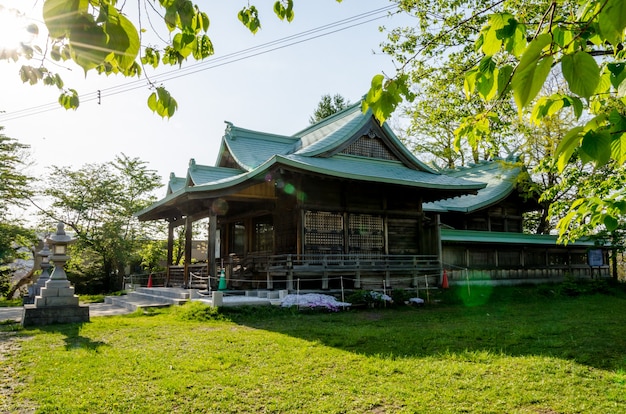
<point x="56" y="301"/>
<point x="44" y="253"/>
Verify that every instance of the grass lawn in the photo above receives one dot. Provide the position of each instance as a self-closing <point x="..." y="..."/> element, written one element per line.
<point x="504" y="350"/>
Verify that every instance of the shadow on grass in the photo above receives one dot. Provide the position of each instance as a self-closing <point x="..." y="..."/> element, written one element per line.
<point x="72" y="337"/>
<point x="589" y="327"/>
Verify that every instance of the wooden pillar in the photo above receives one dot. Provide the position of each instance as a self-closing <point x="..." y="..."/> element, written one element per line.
<point x="188" y="243"/>
<point x="289" y="273"/>
<point x="212" y="245"/>
<point x="170" y="250"/>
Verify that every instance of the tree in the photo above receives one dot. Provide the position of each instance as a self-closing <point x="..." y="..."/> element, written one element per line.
<point x="14" y="191"/>
<point x="97" y="203"/>
<point x="516" y="46"/>
<point x="328" y="106"/>
<point x="98" y="36"/>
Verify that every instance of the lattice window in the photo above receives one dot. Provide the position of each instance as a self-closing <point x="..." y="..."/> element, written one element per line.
<point x="509" y="258"/>
<point x="481" y="257"/>
<point x="365" y="234"/>
<point x="371" y="147"/>
<point x="323" y="232"/>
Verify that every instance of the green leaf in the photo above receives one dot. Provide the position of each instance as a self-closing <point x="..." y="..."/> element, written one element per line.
<point x="611" y="223"/>
<point x="383" y="97"/>
<point x="582" y="73"/>
<point x="596" y="147"/>
<point x="59" y="15"/>
<point x="567" y="146"/>
<point x="618" y="147"/>
<point x="88" y="43"/>
<point x="162" y="103"/>
<point x="618" y="74"/>
<point x="249" y="17"/>
<point x="612" y="21"/>
<point x="123" y="40"/>
<point x="531" y="72"/>
<point x="504" y="79"/>
<point x="69" y="99"/>
<point x="502" y="26"/>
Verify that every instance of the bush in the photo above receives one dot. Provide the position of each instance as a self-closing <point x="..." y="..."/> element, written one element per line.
<point x="372" y="299"/>
<point x="197" y="312"/>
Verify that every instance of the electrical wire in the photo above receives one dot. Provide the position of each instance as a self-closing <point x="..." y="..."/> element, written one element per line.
<point x="214" y="62"/>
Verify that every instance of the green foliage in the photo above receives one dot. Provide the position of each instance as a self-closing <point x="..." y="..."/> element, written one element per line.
<point x="284" y="10"/>
<point x="328" y="106"/>
<point x="97" y="203"/>
<point x="162" y="103"/>
<point x="370" y="298"/>
<point x="98" y="36"/>
<point x="518" y="46"/>
<point x="197" y="312"/>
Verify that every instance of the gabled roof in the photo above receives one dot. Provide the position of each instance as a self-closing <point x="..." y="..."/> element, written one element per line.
<point x="247" y="156"/>
<point x="252" y="148"/>
<point x="200" y="174"/>
<point x="500" y="177"/>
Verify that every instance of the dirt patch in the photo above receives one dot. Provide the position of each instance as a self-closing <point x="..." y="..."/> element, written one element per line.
<point x="9" y="381"/>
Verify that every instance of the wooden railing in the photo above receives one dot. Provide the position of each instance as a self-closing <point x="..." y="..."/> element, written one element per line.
<point x="267" y="270"/>
<point x="324" y="266"/>
<point x="178" y="278"/>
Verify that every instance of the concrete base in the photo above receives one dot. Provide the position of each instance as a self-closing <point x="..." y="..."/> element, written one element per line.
<point x="34" y="316"/>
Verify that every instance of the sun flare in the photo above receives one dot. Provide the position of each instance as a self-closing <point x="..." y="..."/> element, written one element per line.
<point x="14" y="29"/>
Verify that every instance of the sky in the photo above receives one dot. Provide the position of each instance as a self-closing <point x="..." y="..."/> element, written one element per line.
<point x="274" y="91"/>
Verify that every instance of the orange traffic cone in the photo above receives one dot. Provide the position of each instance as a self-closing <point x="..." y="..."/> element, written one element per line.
<point x="444" y="282"/>
<point x="150" y="281"/>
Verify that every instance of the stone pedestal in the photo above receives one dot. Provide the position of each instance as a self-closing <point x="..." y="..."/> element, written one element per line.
<point x="56" y="303"/>
<point x="33" y="316"/>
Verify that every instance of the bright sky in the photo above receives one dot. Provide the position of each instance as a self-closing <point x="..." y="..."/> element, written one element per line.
<point x="272" y="92"/>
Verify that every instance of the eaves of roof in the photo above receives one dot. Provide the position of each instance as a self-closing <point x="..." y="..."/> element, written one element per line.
<point x="340" y="166"/>
<point x="250" y="148"/>
<point x="499" y="183"/>
<point x="374" y="170"/>
<point x="474" y="236"/>
<point x="202" y="174"/>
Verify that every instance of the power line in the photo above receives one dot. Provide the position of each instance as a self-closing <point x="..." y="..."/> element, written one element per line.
<point x="215" y="62"/>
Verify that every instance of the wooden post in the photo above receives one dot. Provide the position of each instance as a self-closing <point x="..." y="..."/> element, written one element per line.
<point x="357" y="276"/>
<point x="289" y="273"/>
<point x="188" y="242"/>
<point x="212" y="241"/>
<point x="170" y="250"/>
<point x="325" y="275"/>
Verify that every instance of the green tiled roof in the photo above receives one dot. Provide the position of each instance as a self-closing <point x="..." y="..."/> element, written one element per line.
<point x="499" y="176"/>
<point x="316" y="149"/>
<point x="252" y="148"/>
<point x="202" y="174"/>
<point x="475" y="236"/>
<point x="383" y="171"/>
<point x="175" y="184"/>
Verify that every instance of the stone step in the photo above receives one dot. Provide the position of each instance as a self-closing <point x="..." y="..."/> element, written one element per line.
<point x="133" y="304"/>
<point x="135" y="300"/>
<point x="163" y="292"/>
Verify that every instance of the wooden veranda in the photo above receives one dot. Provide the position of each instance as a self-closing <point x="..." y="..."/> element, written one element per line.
<point x="315" y="271"/>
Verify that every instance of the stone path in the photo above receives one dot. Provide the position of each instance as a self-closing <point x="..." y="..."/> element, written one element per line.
<point x="95" y="309"/>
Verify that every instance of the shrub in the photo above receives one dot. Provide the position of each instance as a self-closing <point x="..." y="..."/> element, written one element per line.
<point x="197" y="312"/>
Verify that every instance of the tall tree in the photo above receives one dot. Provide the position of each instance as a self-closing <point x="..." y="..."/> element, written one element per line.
<point x="97" y="203"/>
<point x="328" y="106"/>
<point x="512" y="46"/>
<point x="14" y="191"/>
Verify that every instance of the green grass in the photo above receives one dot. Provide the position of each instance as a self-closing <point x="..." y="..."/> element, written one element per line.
<point x="505" y="350"/>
